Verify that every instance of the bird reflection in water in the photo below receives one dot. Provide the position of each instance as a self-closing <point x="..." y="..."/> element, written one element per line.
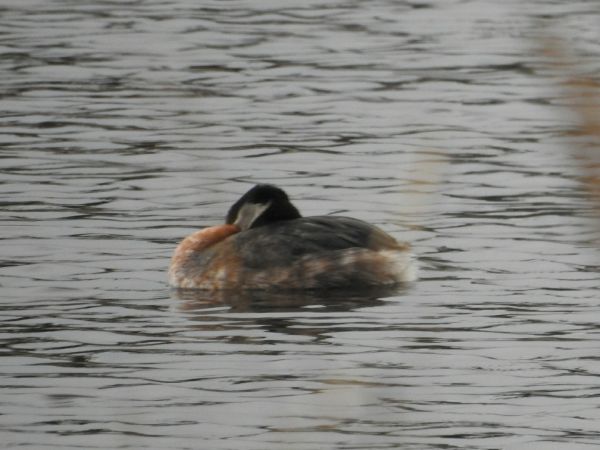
<point x="284" y="301"/>
<point x="314" y="313"/>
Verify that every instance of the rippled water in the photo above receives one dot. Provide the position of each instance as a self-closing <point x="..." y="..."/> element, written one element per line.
<point x="126" y="125"/>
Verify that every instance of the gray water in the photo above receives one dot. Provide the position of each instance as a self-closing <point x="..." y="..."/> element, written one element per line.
<point x="127" y="125"/>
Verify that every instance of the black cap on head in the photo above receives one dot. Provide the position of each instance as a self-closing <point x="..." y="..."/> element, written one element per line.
<point x="262" y="204"/>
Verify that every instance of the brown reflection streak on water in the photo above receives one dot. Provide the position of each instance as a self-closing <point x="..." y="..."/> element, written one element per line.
<point x="126" y="126"/>
<point x="583" y="94"/>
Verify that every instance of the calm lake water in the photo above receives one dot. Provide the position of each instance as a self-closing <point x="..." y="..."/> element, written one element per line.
<point x="126" y="125"/>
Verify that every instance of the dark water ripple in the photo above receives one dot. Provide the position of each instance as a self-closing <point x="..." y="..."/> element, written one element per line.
<point x="125" y="125"/>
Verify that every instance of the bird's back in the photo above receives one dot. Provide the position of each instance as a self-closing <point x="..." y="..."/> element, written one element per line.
<point x="282" y="243"/>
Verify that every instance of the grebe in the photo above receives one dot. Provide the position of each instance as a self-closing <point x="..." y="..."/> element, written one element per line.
<point x="266" y="244"/>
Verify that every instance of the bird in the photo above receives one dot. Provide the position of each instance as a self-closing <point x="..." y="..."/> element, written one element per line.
<point x="266" y="244"/>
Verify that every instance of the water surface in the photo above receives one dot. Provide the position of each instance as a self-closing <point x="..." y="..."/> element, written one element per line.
<point x="127" y="125"/>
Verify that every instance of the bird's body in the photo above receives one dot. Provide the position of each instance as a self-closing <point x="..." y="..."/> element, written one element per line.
<point x="321" y="252"/>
